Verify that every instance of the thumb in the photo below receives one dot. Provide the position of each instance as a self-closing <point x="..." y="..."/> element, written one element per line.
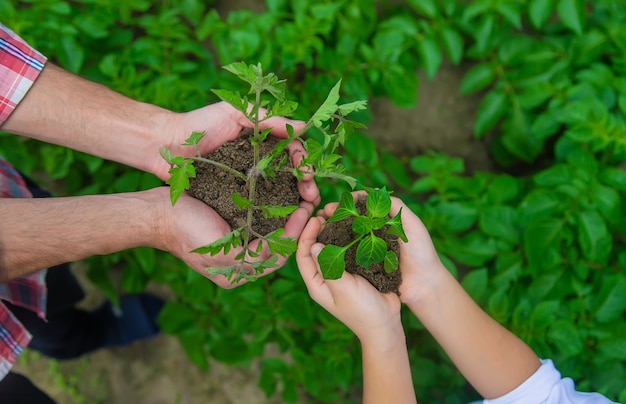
<point x="316" y="249"/>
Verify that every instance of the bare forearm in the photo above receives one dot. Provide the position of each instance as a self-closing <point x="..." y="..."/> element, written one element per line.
<point x="39" y="233"/>
<point x="386" y="369"/>
<point x="490" y="357"/>
<point x="64" y="109"/>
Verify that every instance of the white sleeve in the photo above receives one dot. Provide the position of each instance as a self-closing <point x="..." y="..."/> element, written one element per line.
<point x="546" y="386"/>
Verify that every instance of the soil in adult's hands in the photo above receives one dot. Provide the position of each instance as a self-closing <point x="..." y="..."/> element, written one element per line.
<point x="215" y="185"/>
<point x="341" y="234"/>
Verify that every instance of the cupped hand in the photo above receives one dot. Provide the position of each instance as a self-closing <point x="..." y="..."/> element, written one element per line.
<point x="221" y="123"/>
<point x="419" y="262"/>
<point x="351" y="298"/>
<point x="191" y="223"/>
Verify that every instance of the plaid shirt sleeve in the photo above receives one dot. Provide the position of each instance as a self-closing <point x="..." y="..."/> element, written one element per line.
<point x="19" y="67"/>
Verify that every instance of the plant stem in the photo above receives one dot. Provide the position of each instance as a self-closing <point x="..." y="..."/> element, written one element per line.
<point x="252" y="177"/>
<point x="224" y="166"/>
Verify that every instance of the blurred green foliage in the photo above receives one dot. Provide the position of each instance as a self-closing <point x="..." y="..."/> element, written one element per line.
<point x="539" y="244"/>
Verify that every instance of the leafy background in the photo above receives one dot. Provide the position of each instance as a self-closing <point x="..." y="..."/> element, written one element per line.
<point x="534" y="230"/>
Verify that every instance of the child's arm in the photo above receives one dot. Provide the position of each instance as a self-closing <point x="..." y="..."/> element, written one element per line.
<point x="490" y="357"/>
<point x="372" y="316"/>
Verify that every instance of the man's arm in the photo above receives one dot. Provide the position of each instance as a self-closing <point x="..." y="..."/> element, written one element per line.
<point x="43" y="232"/>
<point x="64" y="109"/>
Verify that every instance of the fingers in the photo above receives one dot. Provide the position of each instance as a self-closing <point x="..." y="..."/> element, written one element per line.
<point x="298" y="220"/>
<point x="278" y="124"/>
<point x="296" y="154"/>
<point x="330" y="208"/>
<point x="306" y="257"/>
<point x="307" y="188"/>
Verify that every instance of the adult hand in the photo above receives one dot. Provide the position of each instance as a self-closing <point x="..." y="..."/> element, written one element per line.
<point x="351" y="299"/>
<point x="221" y="123"/>
<point x="191" y="224"/>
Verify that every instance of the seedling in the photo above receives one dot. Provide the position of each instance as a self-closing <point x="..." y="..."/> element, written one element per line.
<point x="267" y="91"/>
<point x="371" y="249"/>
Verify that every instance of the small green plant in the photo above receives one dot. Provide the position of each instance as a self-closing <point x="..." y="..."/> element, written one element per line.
<point x="267" y="92"/>
<point x="372" y="248"/>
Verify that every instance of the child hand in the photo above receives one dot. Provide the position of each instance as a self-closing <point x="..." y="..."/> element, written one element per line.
<point x="419" y="262"/>
<point x="351" y="299"/>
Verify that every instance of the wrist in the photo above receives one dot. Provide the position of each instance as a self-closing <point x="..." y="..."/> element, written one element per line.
<point x="151" y="227"/>
<point x="421" y="290"/>
<point x="164" y="129"/>
<point x="384" y="339"/>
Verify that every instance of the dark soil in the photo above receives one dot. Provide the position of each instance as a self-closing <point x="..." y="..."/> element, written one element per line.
<point x="341" y="234"/>
<point x="214" y="185"/>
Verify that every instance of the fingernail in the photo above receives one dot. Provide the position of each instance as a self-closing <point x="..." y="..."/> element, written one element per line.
<point x="315" y="250"/>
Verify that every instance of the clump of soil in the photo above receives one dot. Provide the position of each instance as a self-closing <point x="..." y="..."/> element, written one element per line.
<point x="341" y="234"/>
<point x="215" y="185"/>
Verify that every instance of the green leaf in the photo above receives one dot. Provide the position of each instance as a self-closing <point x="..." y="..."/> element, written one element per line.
<point x="395" y="226"/>
<point x="177" y="317"/>
<point x="484" y="32"/>
<point x="332" y="261"/>
<point x="556" y="175"/>
<point x="610" y="302"/>
<point x="194" y="139"/>
<point x="430" y="55"/>
<point x="261" y="266"/>
<point x="179" y="179"/>
<point x="572" y="13"/>
<point x="491" y="108"/>
<point x="234" y="99"/>
<point x="371" y="249"/>
<point x="277" y="211"/>
<point x="594" y="238"/>
<point x="475" y="283"/>
<point x="477" y="78"/>
<point x="566" y="336"/>
<point x="510" y="13"/>
<point x="281" y="245"/>
<point x="346" y="208"/>
<point x="378" y="203"/>
<point x="282" y="108"/>
<point x="453" y="42"/>
<point x="346" y="109"/>
<point x="351" y="181"/>
<point x="540" y="243"/>
<point x="194" y="347"/>
<point x="425" y="7"/>
<point x="245" y="72"/>
<point x="544" y="314"/>
<point x="328" y="107"/>
<point x="240" y="202"/>
<point x="362" y="225"/>
<point x="232" y="239"/>
<point x="614" y="177"/>
<point x="391" y="262"/>
<point x="167" y="155"/>
<point x="498" y="221"/>
<point x="539" y="11"/>
<point x="401" y="85"/>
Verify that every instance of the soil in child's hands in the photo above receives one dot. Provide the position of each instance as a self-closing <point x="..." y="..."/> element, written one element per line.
<point x="340" y="234"/>
<point x="215" y="185"/>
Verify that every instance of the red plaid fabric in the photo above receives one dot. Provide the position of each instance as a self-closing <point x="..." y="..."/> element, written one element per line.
<point x="19" y="67"/>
